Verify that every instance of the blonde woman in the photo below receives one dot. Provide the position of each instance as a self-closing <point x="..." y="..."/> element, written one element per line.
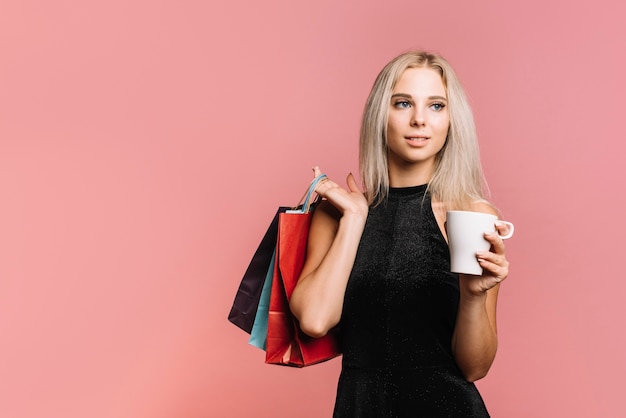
<point x="415" y="336"/>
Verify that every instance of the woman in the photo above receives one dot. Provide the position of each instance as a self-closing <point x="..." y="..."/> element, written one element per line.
<point x="415" y="336"/>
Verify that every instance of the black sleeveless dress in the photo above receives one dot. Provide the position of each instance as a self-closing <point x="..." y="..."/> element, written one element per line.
<point x="398" y="317"/>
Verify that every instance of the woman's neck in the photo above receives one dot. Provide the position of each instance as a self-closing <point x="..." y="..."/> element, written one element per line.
<point x="409" y="176"/>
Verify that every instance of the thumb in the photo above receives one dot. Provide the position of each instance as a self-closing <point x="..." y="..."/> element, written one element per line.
<point x="352" y="185"/>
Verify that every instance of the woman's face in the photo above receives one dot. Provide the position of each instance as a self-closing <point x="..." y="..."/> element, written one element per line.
<point x="418" y="121"/>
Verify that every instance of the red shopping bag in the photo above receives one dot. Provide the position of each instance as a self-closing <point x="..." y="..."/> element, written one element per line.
<point x="286" y="343"/>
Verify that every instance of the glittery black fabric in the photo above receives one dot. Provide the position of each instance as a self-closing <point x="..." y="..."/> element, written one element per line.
<point x="398" y="317"/>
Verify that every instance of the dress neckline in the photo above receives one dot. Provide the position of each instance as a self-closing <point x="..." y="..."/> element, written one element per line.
<point x="407" y="191"/>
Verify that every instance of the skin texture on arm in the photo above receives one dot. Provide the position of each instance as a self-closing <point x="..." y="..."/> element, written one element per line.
<point x="334" y="237"/>
<point x="475" y="338"/>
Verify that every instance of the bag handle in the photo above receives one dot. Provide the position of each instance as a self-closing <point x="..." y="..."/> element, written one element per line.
<point x="304" y="206"/>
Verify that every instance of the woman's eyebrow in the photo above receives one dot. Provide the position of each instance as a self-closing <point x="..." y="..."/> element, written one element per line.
<point x="408" y="96"/>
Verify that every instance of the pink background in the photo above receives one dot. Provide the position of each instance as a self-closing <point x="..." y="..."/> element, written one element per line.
<point x="144" y="146"/>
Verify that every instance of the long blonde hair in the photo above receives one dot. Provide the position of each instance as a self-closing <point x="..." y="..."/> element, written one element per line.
<point x="458" y="178"/>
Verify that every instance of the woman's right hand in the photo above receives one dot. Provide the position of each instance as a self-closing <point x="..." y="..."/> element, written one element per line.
<point x="348" y="202"/>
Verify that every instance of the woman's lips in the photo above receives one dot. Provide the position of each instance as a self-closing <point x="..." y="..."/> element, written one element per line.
<point x="417" y="140"/>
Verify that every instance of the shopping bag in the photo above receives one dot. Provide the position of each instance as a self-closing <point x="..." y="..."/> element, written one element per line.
<point x="286" y="343"/>
<point x="246" y="301"/>
<point x="258" y="336"/>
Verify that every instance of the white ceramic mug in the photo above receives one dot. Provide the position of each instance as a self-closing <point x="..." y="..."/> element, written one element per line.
<point x="466" y="236"/>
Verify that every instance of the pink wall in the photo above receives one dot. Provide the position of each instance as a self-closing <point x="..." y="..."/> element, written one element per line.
<point x="144" y="146"/>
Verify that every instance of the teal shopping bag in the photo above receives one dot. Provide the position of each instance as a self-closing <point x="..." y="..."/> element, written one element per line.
<point x="258" y="335"/>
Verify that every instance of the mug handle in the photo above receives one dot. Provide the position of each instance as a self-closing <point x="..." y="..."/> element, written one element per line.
<point x="511" y="230"/>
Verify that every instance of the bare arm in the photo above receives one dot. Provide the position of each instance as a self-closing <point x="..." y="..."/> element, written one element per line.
<point x="475" y="338"/>
<point x="336" y="229"/>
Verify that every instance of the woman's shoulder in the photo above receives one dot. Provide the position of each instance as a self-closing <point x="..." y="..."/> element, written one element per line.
<point x="484" y="206"/>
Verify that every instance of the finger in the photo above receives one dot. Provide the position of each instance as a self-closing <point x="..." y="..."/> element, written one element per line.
<point x="498" y="259"/>
<point x="352" y="185"/>
<point x="502" y="228"/>
<point x="496" y="242"/>
<point x="498" y="271"/>
<point x="491" y="259"/>
<point x="316" y="171"/>
<point x="325" y="185"/>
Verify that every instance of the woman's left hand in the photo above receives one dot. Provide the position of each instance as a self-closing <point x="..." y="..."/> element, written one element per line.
<point x="494" y="263"/>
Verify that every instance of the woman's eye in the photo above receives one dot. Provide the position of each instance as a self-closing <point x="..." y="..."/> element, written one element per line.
<point x="437" y="107"/>
<point x="403" y="104"/>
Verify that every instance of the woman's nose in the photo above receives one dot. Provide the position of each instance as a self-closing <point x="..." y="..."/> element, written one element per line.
<point x="418" y="119"/>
